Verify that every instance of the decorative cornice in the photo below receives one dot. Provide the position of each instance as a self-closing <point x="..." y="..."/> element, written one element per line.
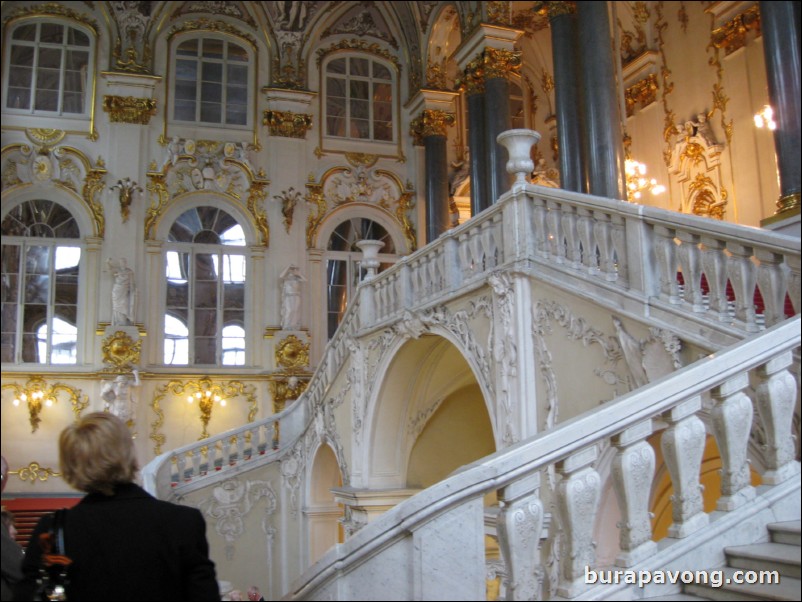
<point x="287" y="124"/>
<point x="354" y="44"/>
<point x="554" y="9"/>
<point x="204" y="24"/>
<point x="642" y="93"/>
<point x="732" y="35"/>
<point x="431" y="122"/>
<point x="52" y="9"/>
<point x="129" y="109"/>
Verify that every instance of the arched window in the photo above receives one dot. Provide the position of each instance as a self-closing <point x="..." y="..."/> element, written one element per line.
<point x="47" y="69"/>
<point x="360" y="95"/>
<point x="343" y="272"/>
<point x="206" y="264"/>
<point x="211" y="82"/>
<point x="41" y="260"/>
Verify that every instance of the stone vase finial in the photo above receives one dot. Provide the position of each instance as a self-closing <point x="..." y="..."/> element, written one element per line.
<point x="518" y="144"/>
<point x="370" y="256"/>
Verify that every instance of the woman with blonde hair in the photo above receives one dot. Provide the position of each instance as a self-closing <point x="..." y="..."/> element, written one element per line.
<point x="123" y="543"/>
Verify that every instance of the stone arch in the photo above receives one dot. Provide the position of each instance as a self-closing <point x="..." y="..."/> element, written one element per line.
<point x="321" y="511"/>
<point x="416" y="377"/>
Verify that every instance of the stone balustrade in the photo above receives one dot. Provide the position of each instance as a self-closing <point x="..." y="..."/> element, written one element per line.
<point x="431" y="546"/>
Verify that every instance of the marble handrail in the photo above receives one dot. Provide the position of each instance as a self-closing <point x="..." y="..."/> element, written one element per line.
<point x="444" y="524"/>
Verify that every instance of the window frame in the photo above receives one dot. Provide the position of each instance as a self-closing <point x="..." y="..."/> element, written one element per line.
<point x="173" y="80"/>
<point x="192" y="249"/>
<point x="52" y="244"/>
<point x="90" y="86"/>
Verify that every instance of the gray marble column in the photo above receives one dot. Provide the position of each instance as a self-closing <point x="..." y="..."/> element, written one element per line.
<point x="780" y="26"/>
<point x="478" y="156"/>
<point x="497" y="120"/>
<point x="603" y="139"/>
<point x="564" y="44"/>
<point x="437" y="217"/>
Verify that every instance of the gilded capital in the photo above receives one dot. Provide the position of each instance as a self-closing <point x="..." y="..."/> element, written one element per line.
<point x="287" y="124"/>
<point x="431" y="122"/>
<point x="472" y="80"/>
<point x="129" y="109"/>
<point x="554" y="9"/>
<point x="501" y="63"/>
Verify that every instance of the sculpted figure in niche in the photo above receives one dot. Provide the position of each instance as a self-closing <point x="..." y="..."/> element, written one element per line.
<point x="291" y="298"/>
<point x="119" y="398"/>
<point x="123" y="293"/>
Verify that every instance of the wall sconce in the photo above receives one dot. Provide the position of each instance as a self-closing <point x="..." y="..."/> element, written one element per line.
<point x="37" y="395"/>
<point x="206" y="394"/>
<point x="126" y="187"/>
<point x="637" y="182"/>
<point x="764" y="118"/>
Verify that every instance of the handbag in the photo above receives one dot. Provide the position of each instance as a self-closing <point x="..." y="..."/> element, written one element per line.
<point x="52" y="580"/>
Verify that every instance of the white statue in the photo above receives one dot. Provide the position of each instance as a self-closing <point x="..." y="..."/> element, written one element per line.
<point x="118" y="396"/>
<point x="123" y="293"/>
<point x="291" y="298"/>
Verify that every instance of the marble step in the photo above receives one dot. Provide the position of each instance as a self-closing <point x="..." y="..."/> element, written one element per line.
<point x="788" y="588"/>
<point x="766" y="557"/>
<point x="788" y="532"/>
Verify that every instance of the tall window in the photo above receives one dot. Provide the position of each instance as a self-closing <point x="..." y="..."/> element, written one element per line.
<point x="47" y="69"/>
<point x="343" y="271"/>
<point x="41" y="261"/>
<point x="211" y="82"/>
<point x="205" y="265"/>
<point x="359" y="99"/>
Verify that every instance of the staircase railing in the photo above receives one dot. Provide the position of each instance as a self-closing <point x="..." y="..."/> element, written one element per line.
<point x="710" y="282"/>
<point x="431" y="546"/>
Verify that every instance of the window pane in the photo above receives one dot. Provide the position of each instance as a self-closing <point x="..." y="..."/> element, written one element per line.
<point x="211" y="92"/>
<point x="236" y="115"/>
<point x="212" y="72"/>
<point x="187" y="70"/>
<point x="336" y="66"/>
<point x="359" y="89"/>
<point x="213" y="48"/>
<point x="237" y="53"/>
<point x="51" y="33"/>
<point x="381" y="72"/>
<point x="185" y="110"/>
<point x="360" y="128"/>
<point x="21" y="56"/>
<point x="188" y="48"/>
<point x="25" y="32"/>
<point x="76" y="37"/>
<point x="238" y="74"/>
<point x="360" y="67"/>
<point x="210" y="112"/>
<point x="46" y="101"/>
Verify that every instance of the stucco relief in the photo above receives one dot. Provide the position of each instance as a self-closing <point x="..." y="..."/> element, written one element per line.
<point x="578" y="329"/>
<point x="322" y="430"/>
<point x="651" y="358"/>
<point x="231" y="502"/>
<point x="504" y="349"/>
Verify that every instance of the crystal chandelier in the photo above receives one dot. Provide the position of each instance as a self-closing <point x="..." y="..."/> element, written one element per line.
<point x="638" y="183"/>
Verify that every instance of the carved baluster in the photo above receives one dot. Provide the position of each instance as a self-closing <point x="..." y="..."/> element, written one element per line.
<point x="572" y="250"/>
<point x="585" y="226"/>
<point x="240" y="447"/>
<point x="519" y="524"/>
<point x="602" y="230"/>
<point x="633" y="472"/>
<point x="772" y="276"/>
<point x="732" y="423"/>
<point x="539" y="226"/>
<point x="690" y="258"/>
<point x="477" y="260"/>
<point x="793" y="262"/>
<point x="225" y="455"/>
<point x="683" y="444"/>
<point x="578" y="501"/>
<point x="556" y="246"/>
<point x="666" y="250"/>
<point x="211" y="458"/>
<point x="714" y="261"/>
<point x="742" y="271"/>
<point x="619" y="236"/>
<point x="196" y="463"/>
<point x="181" y="466"/>
<point x="776" y="395"/>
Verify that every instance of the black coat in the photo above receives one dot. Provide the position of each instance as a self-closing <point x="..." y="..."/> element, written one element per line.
<point x="130" y="546"/>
